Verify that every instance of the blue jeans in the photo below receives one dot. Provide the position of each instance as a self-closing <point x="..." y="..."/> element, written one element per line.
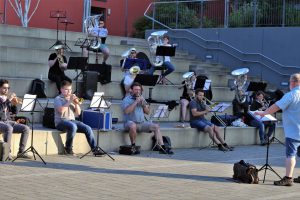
<point x="71" y="127"/>
<point x="261" y="128"/>
<point x="170" y="68"/>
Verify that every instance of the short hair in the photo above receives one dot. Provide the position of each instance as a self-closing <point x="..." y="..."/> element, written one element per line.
<point x="166" y="36"/>
<point x="295" y="77"/>
<point x="259" y="93"/>
<point x="3" y="81"/>
<point x="198" y="90"/>
<point x="136" y="84"/>
<point x="65" y="83"/>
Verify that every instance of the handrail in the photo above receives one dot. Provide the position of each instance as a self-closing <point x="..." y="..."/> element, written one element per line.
<point x="223" y="43"/>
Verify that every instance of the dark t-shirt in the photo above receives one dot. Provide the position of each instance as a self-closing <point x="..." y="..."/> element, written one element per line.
<point x="255" y="106"/>
<point x="200" y="106"/>
<point x="55" y="69"/>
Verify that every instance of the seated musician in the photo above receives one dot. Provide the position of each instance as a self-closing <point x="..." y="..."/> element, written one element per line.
<point x="66" y="106"/>
<point x="100" y="32"/>
<point x="260" y="103"/>
<point x="134" y="107"/>
<point x="130" y="71"/>
<point x="166" y="62"/>
<point x="57" y="65"/>
<point x="8" y="106"/>
<point x="198" y="109"/>
<point x="186" y="97"/>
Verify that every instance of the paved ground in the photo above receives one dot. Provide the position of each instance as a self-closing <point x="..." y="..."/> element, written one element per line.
<point x="189" y="174"/>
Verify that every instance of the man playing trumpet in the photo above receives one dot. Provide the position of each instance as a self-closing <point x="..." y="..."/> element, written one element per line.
<point x="198" y="109"/>
<point x="57" y="65"/>
<point x="66" y="106"/>
<point x="8" y="106"/>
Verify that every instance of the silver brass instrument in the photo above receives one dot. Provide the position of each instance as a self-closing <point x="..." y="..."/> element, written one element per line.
<point x="240" y="83"/>
<point x="154" y="40"/>
<point x="189" y="83"/>
<point x="91" y="25"/>
<point x="134" y="70"/>
<point x="211" y="106"/>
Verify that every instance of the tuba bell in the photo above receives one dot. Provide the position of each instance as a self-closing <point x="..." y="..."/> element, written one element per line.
<point x="154" y="40"/>
<point x="240" y="83"/>
<point x="91" y="25"/>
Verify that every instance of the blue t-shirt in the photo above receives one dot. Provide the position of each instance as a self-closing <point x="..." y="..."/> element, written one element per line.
<point x="137" y="115"/>
<point x="290" y="105"/>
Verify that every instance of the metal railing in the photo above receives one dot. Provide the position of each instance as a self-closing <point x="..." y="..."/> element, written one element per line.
<point x="225" y="13"/>
<point x="217" y="45"/>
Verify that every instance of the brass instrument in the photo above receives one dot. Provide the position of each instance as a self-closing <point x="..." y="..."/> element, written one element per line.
<point x="154" y="40"/>
<point x="211" y="106"/>
<point x="91" y="25"/>
<point x="240" y="84"/>
<point x="78" y="101"/>
<point x="60" y="58"/>
<point x="134" y="70"/>
<point x="189" y="83"/>
<point x="13" y="98"/>
<point x="265" y="104"/>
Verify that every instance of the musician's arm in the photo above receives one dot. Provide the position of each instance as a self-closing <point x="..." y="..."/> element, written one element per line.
<point x="77" y="109"/>
<point x="131" y="107"/>
<point x="146" y="109"/>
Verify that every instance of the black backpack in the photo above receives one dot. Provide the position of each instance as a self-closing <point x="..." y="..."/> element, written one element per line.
<point x="38" y="88"/>
<point x="166" y="140"/>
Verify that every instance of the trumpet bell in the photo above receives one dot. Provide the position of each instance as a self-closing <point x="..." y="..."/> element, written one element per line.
<point x="187" y="75"/>
<point x="240" y="71"/>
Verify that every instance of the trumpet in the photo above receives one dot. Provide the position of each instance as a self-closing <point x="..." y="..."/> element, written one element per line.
<point x="78" y="101"/>
<point x="14" y="99"/>
<point x="60" y="58"/>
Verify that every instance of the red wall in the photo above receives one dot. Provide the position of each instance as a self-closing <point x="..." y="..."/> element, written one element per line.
<point x="115" y="22"/>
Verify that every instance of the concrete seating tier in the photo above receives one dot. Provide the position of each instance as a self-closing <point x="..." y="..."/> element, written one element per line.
<point x="50" y="141"/>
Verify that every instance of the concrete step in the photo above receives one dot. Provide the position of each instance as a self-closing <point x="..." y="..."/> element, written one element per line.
<point x="51" y="142"/>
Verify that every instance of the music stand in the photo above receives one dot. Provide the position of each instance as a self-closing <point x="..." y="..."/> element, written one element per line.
<point x="99" y="102"/>
<point x="77" y="63"/>
<point x="148" y="80"/>
<point x="257" y="86"/>
<point x="165" y="51"/>
<point x="266" y="165"/>
<point x="66" y="22"/>
<point x="28" y="105"/>
<point x="57" y="14"/>
<point x="162" y="111"/>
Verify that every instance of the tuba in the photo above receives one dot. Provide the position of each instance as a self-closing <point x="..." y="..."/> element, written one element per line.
<point x="91" y="25"/>
<point x="154" y="40"/>
<point x="240" y="84"/>
<point x="189" y="83"/>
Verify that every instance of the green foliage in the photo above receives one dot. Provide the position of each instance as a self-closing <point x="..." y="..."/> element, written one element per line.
<point x="292" y="16"/>
<point x="140" y="26"/>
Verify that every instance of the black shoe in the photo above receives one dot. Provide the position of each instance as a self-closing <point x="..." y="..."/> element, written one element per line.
<point x="98" y="152"/>
<point x="69" y="151"/>
<point x="228" y="147"/>
<point x="166" y="150"/>
<point x="222" y="148"/>
<point x="285" y="181"/>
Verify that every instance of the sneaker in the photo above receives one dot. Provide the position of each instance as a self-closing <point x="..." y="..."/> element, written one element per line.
<point x="9" y="157"/>
<point x="98" y="152"/>
<point x="23" y="155"/>
<point x="229" y="148"/>
<point x="69" y="151"/>
<point x="222" y="148"/>
<point x="297" y="180"/>
<point x="166" y="150"/>
<point x="285" y="181"/>
<point x="181" y="125"/>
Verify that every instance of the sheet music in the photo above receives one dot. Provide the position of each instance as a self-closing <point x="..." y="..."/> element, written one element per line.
<point x="220" y="107"/>
<point x="96" y="100"/>
<point x="266" y="118"/>
<point x="207" y="84"/>
<point x="28" y="102"/>
<point x="161" y="111"/>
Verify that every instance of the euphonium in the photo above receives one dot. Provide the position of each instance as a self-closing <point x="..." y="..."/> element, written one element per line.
<point x="189" y="83"/>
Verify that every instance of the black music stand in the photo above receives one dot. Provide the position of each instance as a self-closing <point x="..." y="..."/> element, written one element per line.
<point x="257" y="86"/>
<point x="266" y="165"/>
<point x="57" y="14"/>
<point x="66" y="22"/>
<point x="82" y="43"/>
<point x="28" y="105"/>
<point x="99" y="102"/>
<point x="77" y="63"/>
<point x="165" y="51"/>
<point x="148" y="80"/>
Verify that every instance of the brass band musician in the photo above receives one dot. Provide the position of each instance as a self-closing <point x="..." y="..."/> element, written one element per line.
<point x="198" y="109"/>
<point x="261" y="104"/>
<point x="57" y="65"/>
<point x="8" y="107"/>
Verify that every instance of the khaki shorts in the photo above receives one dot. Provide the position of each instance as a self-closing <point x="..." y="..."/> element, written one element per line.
<point x="141" y="127"/>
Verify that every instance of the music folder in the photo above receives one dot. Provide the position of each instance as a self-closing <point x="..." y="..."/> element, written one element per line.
<point x="129" y="62"/>
<point x="265" y="118"/>
<point x="77" y="63"/>
<point x="165" y="51"/>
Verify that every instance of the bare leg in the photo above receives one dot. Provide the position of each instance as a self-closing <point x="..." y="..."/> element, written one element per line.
<point x="132" y="133"/>
<point x="157" y="134"/>
<point x="217" y="131"/>
<point x="184" y="103"/>
<point x="289" y="166"/>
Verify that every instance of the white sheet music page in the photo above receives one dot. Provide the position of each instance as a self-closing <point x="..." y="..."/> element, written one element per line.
<point x="28" y="102"/>
<point x="207" y="84"/>
<point x="161" y="111"/>
<point x="266" y="118"/>
<point x="96" y="100"/>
